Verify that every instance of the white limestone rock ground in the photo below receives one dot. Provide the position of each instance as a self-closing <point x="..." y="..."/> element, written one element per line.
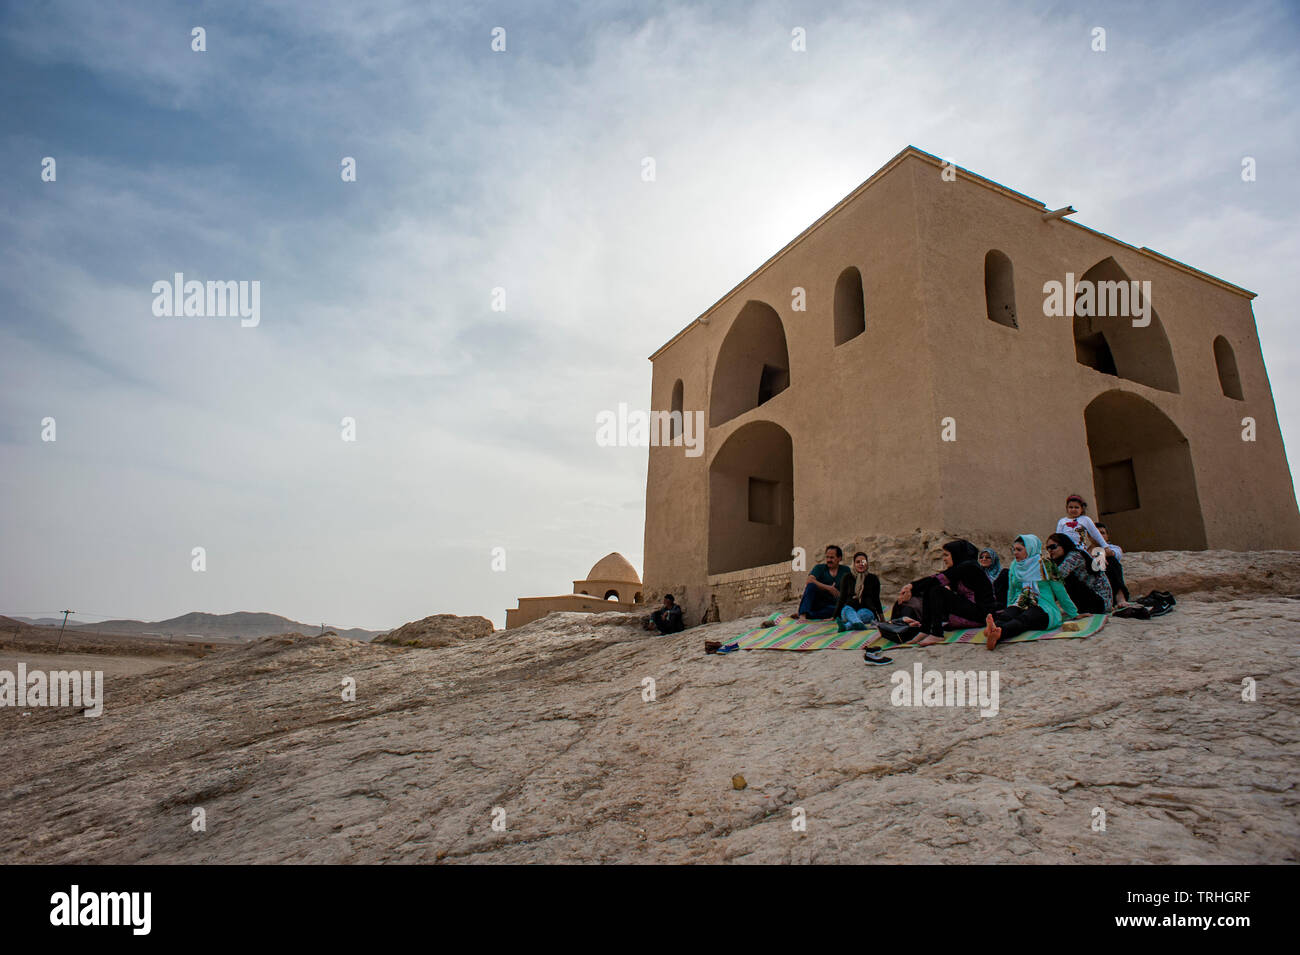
<point x="1145" y="721"/>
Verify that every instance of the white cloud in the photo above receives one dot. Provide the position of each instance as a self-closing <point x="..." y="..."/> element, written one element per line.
<point x="520" y="170"/>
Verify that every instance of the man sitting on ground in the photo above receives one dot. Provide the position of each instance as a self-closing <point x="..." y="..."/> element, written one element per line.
<point x="668" y="618"/>
<point x="821" y="595"/>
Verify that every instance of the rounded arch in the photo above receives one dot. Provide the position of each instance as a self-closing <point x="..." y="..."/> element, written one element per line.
<point x="1226" y="362"/>
<point x="675" y="410"/>
<point x="612" y="595"/>
<point x="751" y="499"/>
<point x="1000" y="288"/>
<point x="1107" y="303"/>
<point x="753" y="363"/>
<point x="636" y="598"/>
<point x="850" y="306"/>
<point x="1143" y="475"/>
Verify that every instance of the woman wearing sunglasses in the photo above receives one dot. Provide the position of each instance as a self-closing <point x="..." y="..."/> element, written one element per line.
<point x="1088" y="588"/>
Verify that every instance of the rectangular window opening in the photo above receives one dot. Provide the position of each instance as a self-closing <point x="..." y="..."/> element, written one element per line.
<point x="772" y="382"/>
<point x="1095" y="352"/>
<point x="1117" y="487"/>
<point x="763" y="506"/>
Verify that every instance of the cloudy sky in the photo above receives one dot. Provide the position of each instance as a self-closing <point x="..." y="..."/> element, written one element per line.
<point x="519" y="170"/>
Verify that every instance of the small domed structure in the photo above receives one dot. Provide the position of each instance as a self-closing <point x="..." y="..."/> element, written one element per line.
<point x="611" y="577"/>
<point x="612" y="567"/>
<point x="611" y="584"/>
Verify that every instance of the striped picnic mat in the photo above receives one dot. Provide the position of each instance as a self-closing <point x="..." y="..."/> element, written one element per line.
<point x="789" y="634"/>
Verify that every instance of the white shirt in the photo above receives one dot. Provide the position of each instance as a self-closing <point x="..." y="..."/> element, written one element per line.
<point x="1082" y="528"/>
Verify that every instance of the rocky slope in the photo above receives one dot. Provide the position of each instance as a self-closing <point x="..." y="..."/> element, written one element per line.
<point x="551" y="731"/>
<point x="440" y="630"/>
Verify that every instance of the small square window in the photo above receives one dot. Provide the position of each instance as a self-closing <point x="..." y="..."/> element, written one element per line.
<point x="1117" y="487"/>
<point x="763" y="508"/>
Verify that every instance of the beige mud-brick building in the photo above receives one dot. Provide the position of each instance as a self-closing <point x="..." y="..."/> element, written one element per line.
<point x="925" y="302"/>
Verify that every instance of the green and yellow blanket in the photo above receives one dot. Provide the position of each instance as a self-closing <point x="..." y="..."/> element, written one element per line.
<point x="787" y="633"/>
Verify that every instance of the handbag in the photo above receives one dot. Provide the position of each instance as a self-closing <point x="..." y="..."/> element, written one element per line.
<point x="896" y="630"/>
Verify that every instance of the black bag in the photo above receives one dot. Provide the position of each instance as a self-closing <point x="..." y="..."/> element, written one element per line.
<point x="896" y="630"/>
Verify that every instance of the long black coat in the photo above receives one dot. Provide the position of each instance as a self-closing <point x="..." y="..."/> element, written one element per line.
<point x="870" y="595"/>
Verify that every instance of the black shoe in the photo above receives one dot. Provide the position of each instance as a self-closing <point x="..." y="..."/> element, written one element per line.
<point x="1162" y="608"/>
<point x="1134" y="613"/>
<point x="875" y="658"/>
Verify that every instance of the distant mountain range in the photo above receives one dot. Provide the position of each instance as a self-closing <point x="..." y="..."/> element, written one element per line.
<point x="227" y="626"/>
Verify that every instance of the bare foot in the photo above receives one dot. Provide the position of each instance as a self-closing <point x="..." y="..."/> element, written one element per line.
<point x="930" y="641"/>
<point x="989" y="627"/>
<point x="994" y="635"/>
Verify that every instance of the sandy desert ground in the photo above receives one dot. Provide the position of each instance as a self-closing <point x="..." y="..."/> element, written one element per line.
<point x="546" y="730"/>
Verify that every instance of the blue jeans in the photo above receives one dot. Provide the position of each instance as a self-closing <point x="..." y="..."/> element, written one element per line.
<point x="856" y="619"/>
<point x="816" y="604"/>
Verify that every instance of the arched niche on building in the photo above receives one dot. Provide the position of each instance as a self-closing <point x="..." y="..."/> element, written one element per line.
<point x="1110" y="343"/>
<point x="675" y="410"/>
<point x="1000" y="289"/>
<point x="753" y="363"/>
<point x="751" y="499"/>
<point x="1226" y="362"/>
<point x="850" y="306"/>
<point x="1143" y="475"/>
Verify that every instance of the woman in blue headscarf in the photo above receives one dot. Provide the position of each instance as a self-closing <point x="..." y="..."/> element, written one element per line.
<point x="997" y="575"/>
<point x="1040" y="601"/>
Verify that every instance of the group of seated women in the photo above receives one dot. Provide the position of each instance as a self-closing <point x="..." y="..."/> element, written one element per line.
<point x="1077" y="571"/>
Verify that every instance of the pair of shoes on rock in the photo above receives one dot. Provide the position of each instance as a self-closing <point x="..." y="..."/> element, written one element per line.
<point x="1156" y="596"/>
<point x="1158" y="602"/>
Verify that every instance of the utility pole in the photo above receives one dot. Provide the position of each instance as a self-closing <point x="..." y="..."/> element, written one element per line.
<point x="61" y="629"/>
